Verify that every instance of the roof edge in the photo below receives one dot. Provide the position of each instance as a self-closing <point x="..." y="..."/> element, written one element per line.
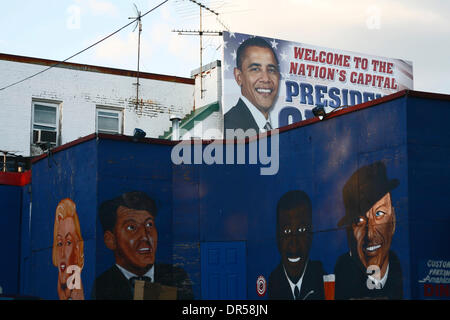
<point x="105" y="136"/>
<point x="391" y="97"/>
<point x="428" y="95"/>
<point x="92" y="68"/>
<point x="64" y="147"/>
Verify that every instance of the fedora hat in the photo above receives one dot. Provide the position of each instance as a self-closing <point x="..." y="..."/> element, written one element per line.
<point x="364" y="188"/>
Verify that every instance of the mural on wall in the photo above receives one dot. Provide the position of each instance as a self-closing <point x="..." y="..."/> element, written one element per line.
<point x="68" y="251"/>
<point x="345" y="204"/>
<point x="130" y="231"/>
<point x="296" y="277"/>
<point x="434" y="280"/>
<point x="370" y="269"/>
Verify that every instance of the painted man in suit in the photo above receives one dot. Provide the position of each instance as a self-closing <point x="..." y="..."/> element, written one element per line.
<point x="296" y="277"/>
<point x="370" y="270"/>
<point x="257" y="73"/>
<point x="130" y="231"/>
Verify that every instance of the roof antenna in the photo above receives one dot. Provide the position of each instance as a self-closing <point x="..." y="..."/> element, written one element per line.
<point x="201" y="33"/>
<point x="138" y="23"/>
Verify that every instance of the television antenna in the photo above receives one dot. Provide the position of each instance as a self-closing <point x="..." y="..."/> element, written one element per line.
<point x="202" y="33"/>
<point x="138" y="24"/>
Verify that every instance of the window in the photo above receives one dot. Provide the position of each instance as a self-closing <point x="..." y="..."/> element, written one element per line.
<point x="109" y="121"/>
<point x="45" y="123"/>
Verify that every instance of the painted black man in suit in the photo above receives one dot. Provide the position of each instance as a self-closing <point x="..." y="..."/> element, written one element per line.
<point x="296" y="277"/>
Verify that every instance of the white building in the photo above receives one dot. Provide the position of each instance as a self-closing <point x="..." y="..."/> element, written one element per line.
<point x="72" y="100"/>
<point x="206" y="119"/>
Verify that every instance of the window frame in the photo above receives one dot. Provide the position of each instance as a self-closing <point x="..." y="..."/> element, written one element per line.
<point x="118" y="111"/>
<point x="57" y="126"/>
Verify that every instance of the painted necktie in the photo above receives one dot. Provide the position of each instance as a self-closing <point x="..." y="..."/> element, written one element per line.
<point x="296" y="293"/>
<point x="133" y="280"/>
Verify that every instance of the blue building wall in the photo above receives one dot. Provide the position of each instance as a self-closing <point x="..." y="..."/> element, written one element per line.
<point x="25" y="241"/>
<point x="429" y="208"/>
<point x="186" y="221"/>
<point x="236" y="203"/>
<point x="11" y="200"/>
<point x="71" y="173"/>
<point x="201" y="204"/>
<point x="125" y="166"/>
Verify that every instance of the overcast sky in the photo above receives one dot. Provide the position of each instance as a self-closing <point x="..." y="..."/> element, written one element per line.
<point x="414" y="30"/>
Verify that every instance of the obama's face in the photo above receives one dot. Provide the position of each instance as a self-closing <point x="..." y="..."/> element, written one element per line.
<point x="258" y="77"/>
<point x="373" y="233"/>
<point x="294" y="239"/>
<point x="134" y="240"/>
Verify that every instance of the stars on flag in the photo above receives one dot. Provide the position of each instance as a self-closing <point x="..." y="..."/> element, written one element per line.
<point x="274" y="44"/>
<point x="284" y="75"/>
<point x="233" y="54"/>
<point x="283" y="56"/>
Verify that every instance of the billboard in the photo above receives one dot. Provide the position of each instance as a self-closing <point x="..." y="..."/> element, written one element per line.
<point x="280" y="82"/>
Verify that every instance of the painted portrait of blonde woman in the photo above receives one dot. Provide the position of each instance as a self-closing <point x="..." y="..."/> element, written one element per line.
<point x="68" y="251"/>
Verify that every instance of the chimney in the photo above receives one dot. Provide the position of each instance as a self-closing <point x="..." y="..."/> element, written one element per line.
<point x="175" y="127"/>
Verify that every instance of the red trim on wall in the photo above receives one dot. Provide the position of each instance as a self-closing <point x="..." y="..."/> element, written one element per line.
<point x="106" y="137"/>
<point x="65" y="146"/>
<point x="346" y="110"/>
<point x="428" y="95"/>
<point x="118" y="137"/>
<point x="15" y="178"/>
<point x="329" y="116"/>
<point x="397" y="95"/>
<point x="391" y="97"/>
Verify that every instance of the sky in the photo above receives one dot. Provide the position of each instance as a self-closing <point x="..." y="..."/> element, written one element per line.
<point x="414" y="30"/>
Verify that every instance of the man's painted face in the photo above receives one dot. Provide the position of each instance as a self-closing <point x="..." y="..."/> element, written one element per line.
<point x="373" y="233"/>
<point x="258" y="77"/>
<point x="136" y="240"/>
<point x="294" y="240"/>
<point x="67" y="248"/>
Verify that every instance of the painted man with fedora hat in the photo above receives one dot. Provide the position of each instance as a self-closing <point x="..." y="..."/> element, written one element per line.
<point x="370" y="270"/>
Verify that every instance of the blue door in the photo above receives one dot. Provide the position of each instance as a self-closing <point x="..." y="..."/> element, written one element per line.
<point x="223" y="270"/>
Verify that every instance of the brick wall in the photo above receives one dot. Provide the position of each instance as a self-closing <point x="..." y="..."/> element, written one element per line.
<point x="79" y="92"/>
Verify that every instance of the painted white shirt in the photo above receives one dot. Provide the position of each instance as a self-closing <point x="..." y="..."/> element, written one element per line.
<point x="257" y="115"/>
<point x="382" y="281"/>
<point x="299" y="282"/>
<point x="150" y="273"/>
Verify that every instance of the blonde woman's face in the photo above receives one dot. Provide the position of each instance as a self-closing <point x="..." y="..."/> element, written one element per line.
<point x="67" y="252"/>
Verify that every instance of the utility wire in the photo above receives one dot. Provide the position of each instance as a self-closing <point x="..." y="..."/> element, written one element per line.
<point x="108" y="36"/>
